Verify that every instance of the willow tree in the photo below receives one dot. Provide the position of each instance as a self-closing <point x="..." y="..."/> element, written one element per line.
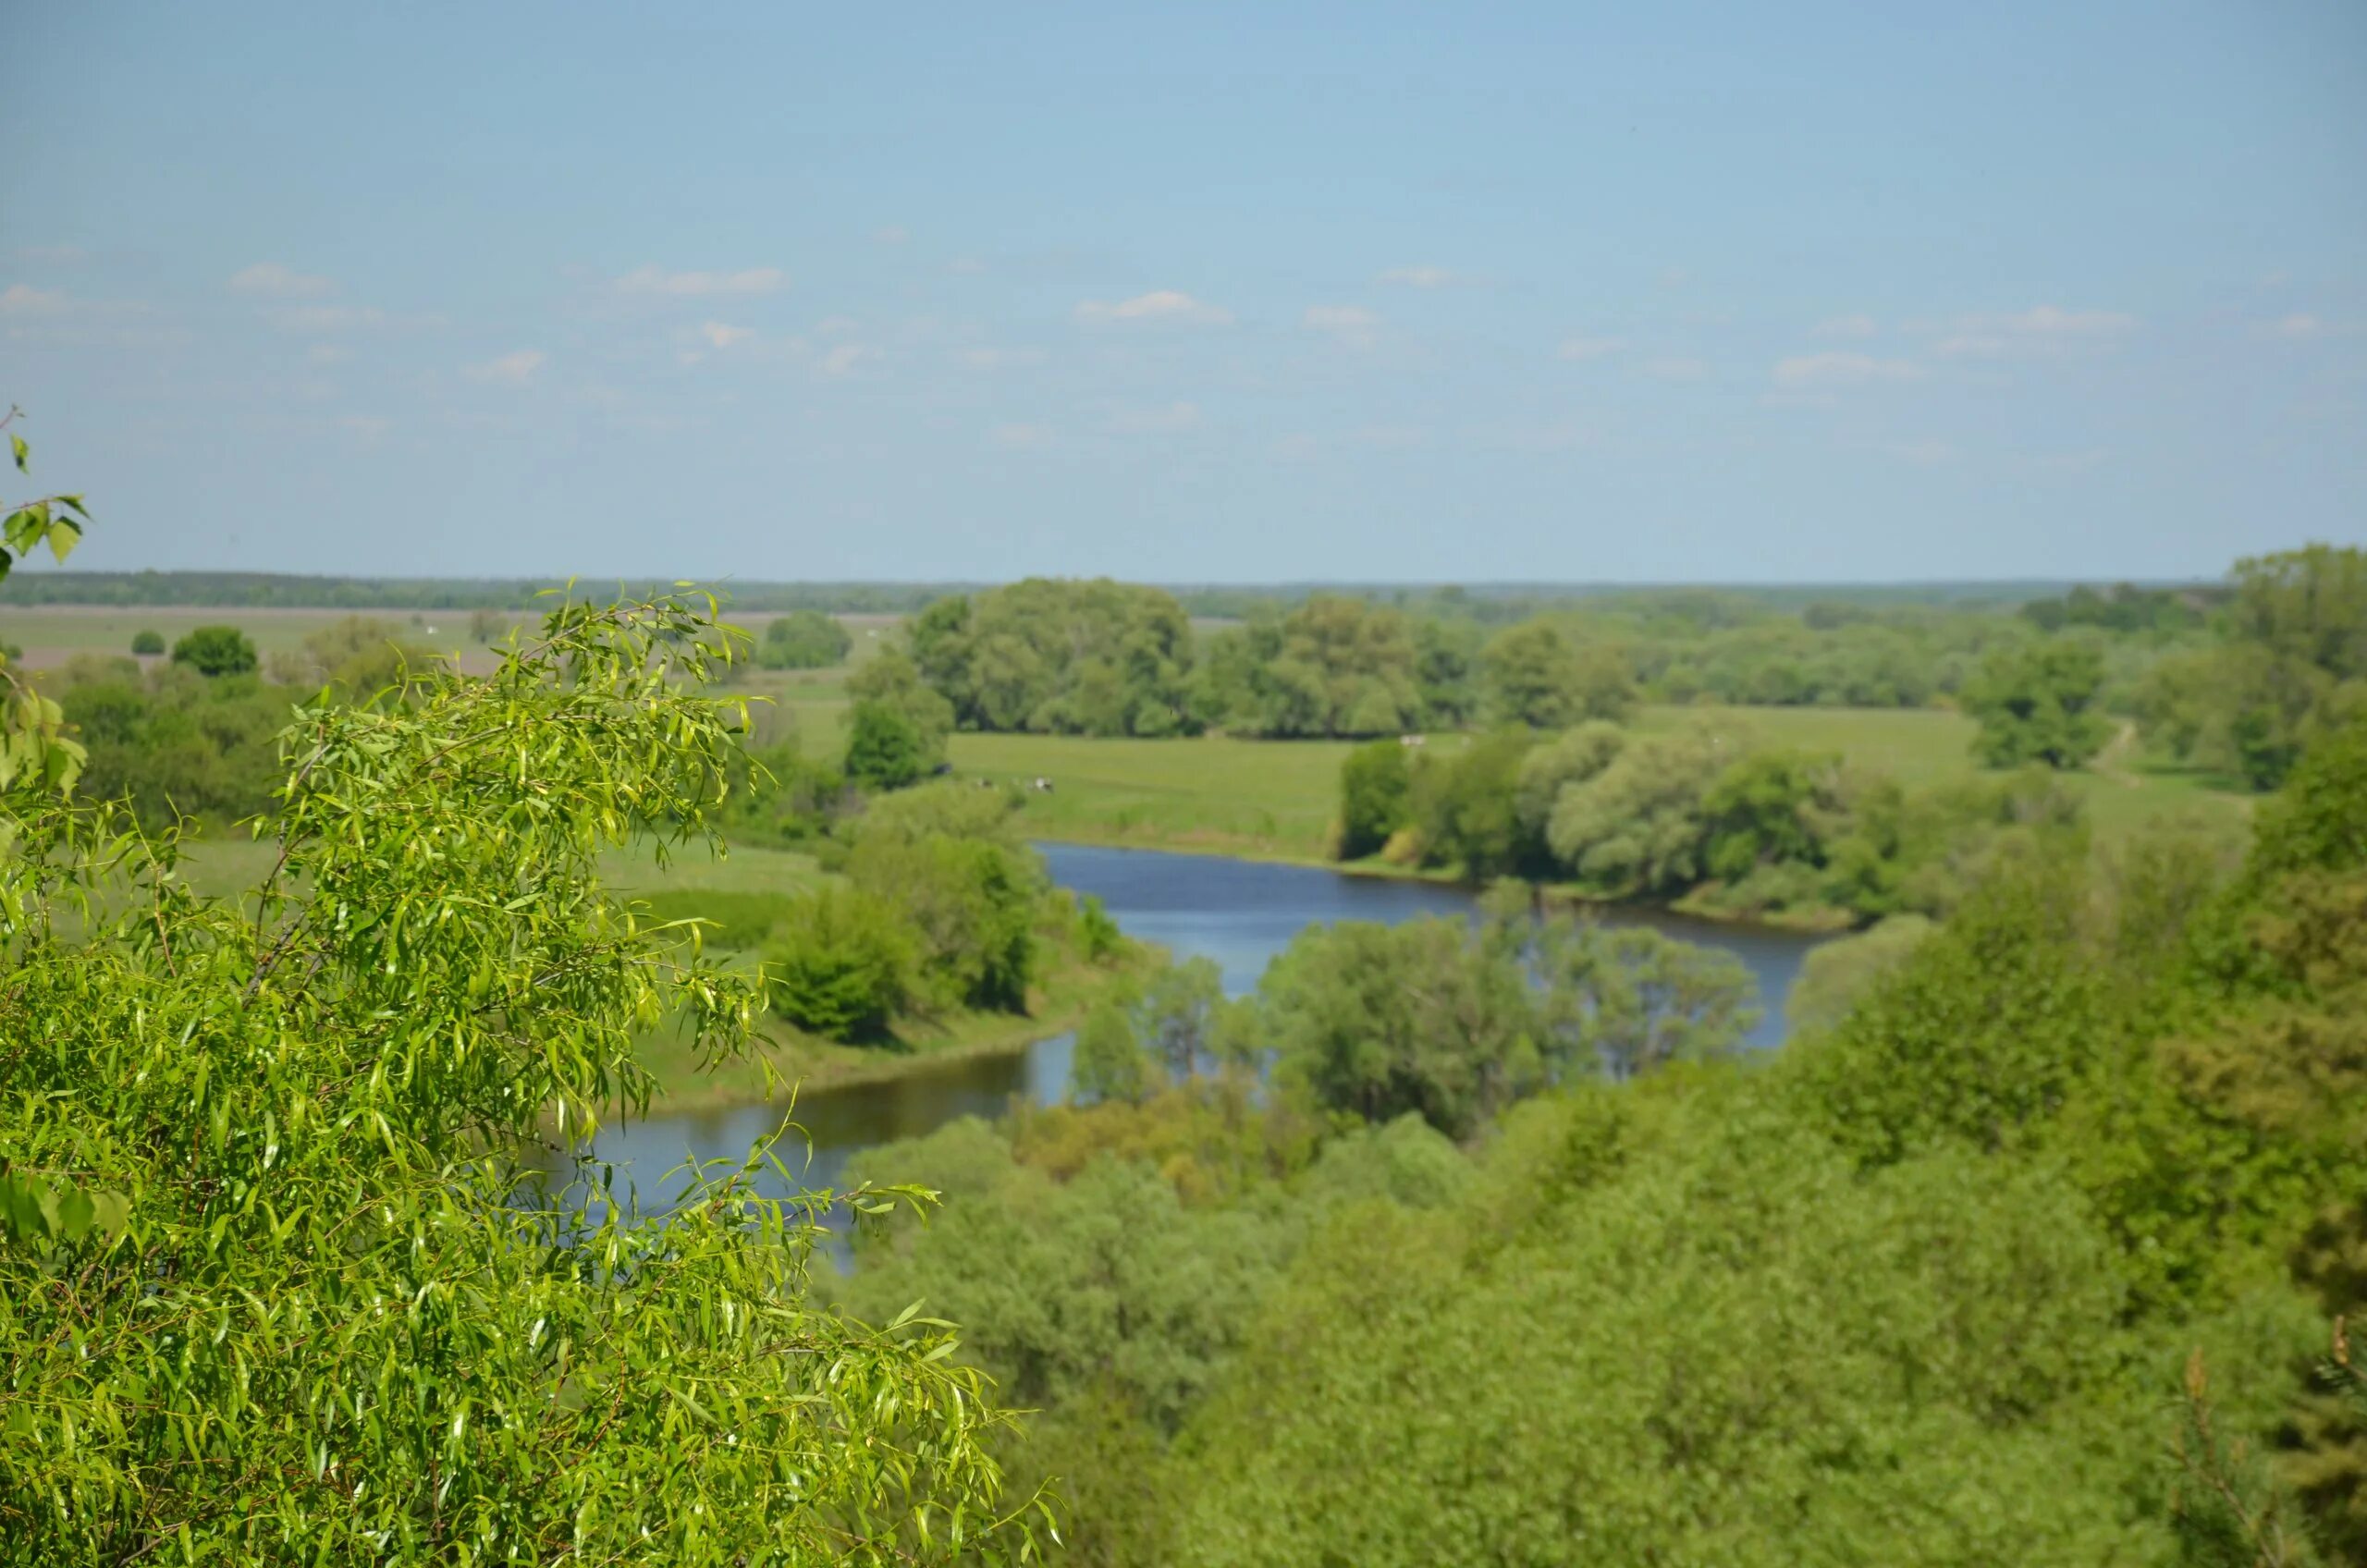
<point x="276" y="1280"/>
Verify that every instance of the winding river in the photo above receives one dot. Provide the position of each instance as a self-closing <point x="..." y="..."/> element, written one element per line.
<point x="1238" y="912"/>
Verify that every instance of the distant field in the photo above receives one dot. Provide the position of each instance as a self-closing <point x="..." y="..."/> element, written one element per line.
<point x="1271" y="798"/>
<point x="1276" y="797"/>
<point x="232" y="862"/>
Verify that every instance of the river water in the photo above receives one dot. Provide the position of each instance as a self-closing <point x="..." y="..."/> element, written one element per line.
<point x="1238" y="912"/>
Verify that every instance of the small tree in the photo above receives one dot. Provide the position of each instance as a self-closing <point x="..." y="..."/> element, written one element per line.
<point x="804" y="640"/>
<point x="216" y="650"/>
<point x="1376" y="789"/>
<point x="1109" y="1062"/>
<point x="885" y="750"/>
<point x="147" y="640"/>
<point x="2037" y="703"/>
<point x="841" y="964"/>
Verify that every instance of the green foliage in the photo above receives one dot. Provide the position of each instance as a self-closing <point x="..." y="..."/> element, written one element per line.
<point x="1837" y="974"/>
<point x="1097" y="933"/>
<point x="803" y="639"/>
<point x="1729" y="1348"/>
<point x="216" y="650"/>
<point x="1376" y="796"/>
<point x="896" y="729"/>
<point x="1333" y="667"/>
<point x="1466" y="806"/>
<point x="2038" y="704"/>
<point x="333" y="1324"/>
<point x="2294" y="664"/>
<point x="1061" y="658"/>
<point x="1638" y="828"/>
<point x="147" y="640"/>
<point x="1433" y="1017"/>
<point x="55" y="520"/>
<point x="885" y="748"/>
<point x="1109" y="1062"/>
<point x="1446" y="663"/>
<point x="173" y="743"/>
<point x="1536" y="677"/>
<point x="1995" y="1021"/>
<point x="971" y="903"/>
<point x="842" y="962"/>
<point x="1178" y="1017"/>
<point x="360" y="655"/>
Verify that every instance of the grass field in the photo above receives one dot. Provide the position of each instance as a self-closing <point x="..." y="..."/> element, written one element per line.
<point x="1276" y="799"/>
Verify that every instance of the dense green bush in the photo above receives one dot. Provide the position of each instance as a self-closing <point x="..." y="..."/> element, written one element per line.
<point x="804" y="640"/>
<point x="2038" y="704"/>
<point x="145" y="642"/>
<point x="1376" y="792"/>
<point x="842" y="963"/>
<point x="216" y="650"/>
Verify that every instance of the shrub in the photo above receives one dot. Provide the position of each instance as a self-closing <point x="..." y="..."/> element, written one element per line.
<point x="147" y="640"/>
<point x="1375" y="792"/>
<point x="216" y="650"/>
<point x="885" y="748"/>
<point x="804" y="640"/>
<point x="842" y="963"/>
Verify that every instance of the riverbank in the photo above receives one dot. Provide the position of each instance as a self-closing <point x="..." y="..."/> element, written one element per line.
<point x="1059" y="1000"/>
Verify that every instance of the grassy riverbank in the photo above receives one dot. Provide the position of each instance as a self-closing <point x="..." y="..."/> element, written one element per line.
<point x="1061" y="996"/>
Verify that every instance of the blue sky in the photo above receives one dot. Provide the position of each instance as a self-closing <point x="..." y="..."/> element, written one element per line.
<point x="1795" y="292"/>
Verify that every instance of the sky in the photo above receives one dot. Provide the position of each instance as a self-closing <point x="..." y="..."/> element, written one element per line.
<point x="1677" y="292"/>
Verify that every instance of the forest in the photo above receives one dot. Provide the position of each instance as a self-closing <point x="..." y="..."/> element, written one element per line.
<point x="1470" y="1238"/>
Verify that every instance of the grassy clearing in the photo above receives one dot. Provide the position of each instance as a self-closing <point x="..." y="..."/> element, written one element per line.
<point x="1270" y="798"/>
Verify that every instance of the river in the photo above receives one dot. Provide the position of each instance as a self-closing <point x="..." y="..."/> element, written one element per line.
<point x="1238" y="912"/>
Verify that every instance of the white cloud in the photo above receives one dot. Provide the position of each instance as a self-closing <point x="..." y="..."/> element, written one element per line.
<point x="893" y="234"/>
<point x="1420" y="277"/>
<point x="1807" y="372"/>
<point x="1583" y="348"/>
<point x="835" y="327"/>
<point x="721" y="335"/>
<point x="24" y="300"/>
<point x="326" y="353"/>
<point x="368" y="426"/>
<point x="1172" y="418"/>
<point x="510" y="370"/>
<point x="702" y="285"/>
<point x="1161" y="304"/>
<point x="52" y="255"/>
<point x="1022" y="436"/>
<point x="269" y="280"/>
<point x="2042" y="329"/>
<point x="843" y="359"/>
<point x="1351" y="324"/>
<point x="1675" y="367"/>
<point x="966" y="266"/>
<point x="1847" y="326"/>
<point x="2298" y="328"/>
